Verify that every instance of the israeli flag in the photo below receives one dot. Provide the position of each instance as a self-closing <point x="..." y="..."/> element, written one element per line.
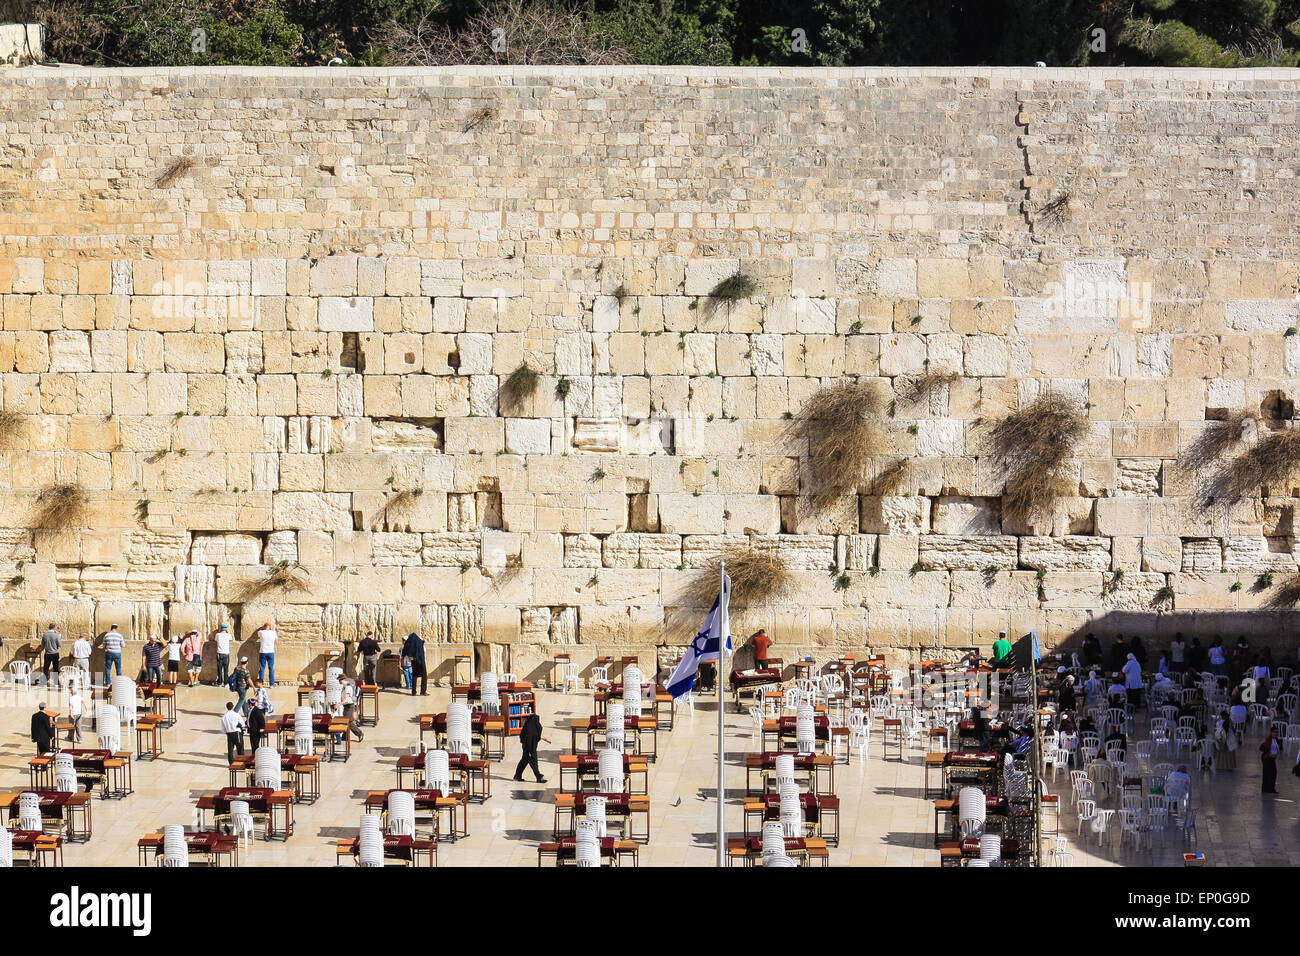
<point x="706" y="643"/>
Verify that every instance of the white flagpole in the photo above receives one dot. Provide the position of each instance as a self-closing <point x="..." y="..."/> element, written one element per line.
<point x="725" y="625"/>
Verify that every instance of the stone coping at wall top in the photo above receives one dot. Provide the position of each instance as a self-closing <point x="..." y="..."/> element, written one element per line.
<point x="673" y="74"/>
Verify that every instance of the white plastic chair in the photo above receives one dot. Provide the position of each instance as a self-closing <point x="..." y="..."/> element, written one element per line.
<point x="6" y="849"/>
<point x="596" y="814"/>
<point x="20" y="672"/>
<point x="570" y="678"/>
<point x="437" y="771"/>
<point x="175" y="851"/>
<point x="316" y="700"/>
<point x="609" y="767"/>
<point x="29" y="811"/>
<point x="600" y="678"/>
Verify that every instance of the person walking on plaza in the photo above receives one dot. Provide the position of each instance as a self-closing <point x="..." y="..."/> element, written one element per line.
<point x="266" y="638"/>
<point x="347" y="706"/>
<point x="81" y="656"/>
<point x="243" y="680"/>
<point x="51" y="641"/>
<point x="258" y="698"/>
<point x="233" y="726"/>
<point x="369" y="651"/>
<point x="529" y="736"/>
<point x="113" y="642"/>
<point x="192" y="653"/>
<point x="413" y="651"/>
<point x="42" y="731"/>
<point x="151" y="660"/>
<point x="256" y="724"/>
<point x="222" y="639"/>
<point x="1268" y="752"/>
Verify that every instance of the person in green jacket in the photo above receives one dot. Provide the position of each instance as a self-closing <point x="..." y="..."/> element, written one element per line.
<point x="1001" y="650"/>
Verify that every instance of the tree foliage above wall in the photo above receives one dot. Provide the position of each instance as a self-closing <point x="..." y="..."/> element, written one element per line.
<point x="1229" y="33"/>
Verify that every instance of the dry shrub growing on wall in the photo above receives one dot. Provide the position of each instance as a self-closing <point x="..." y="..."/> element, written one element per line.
<point x="175" y="170"/>
<point x="890" y="479"/>
<point x="1218" y="438"/>
<point x="283" y="578"/>
<point x="843" y="428"/>
<point x="61" y="508"/>
<point x="1273" y="461"/>
<point x="1035" y="443"/>
<point x="395" y="507"/>
<point x="758" y="576"/>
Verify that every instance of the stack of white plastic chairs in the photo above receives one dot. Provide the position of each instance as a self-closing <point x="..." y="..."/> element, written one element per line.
<point x="991" y="848"/>
<point x="65" y="774"/>
<point x="29" y="811"/>
<point x="333" y="675"/>
<point x="401" y="813"/>
<point x="805" y="732"/>
<point x="784" y="770"/>
<point x="241" y="821"/>
<point x="333" y="695"/>
<point x="370" y="842"/>
<point x="316" y="699"/>
<point x="175" y="850"/>
<point x="108" y="726"/>
<point x="124" y="699"/>
<point x="609" y="767"/>
<point x="773" y="843"/>
<point x="971" y="810"/>
<point x="587" y="848"/>
<point x="791" y="811"/>
<point x="458" y="728"/>
<point x="596" y="814"/>
<point x="437" y="771"/>
<point x="6" y="849"/>
<point x="632" y="691"/>
<point x="266" y="767"/>
<point x="304" y="740"/>
<point x="489" y="693"/>
<point x="615" y="733"/>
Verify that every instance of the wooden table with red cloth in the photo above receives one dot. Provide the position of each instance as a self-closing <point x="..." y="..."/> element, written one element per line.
<point x="979" y="767"/>
<point x="37" y="843"/>
<point x="637" y="727"/>
<point x="406" y="849"/>
<point x="85" y="764"/>
<point x="481" y="726"/>
<point x="367" y="694"/>
<point x="587" y="765"/>
<point x="57" y="805"/>
<point x="749" y="850"/>
<point x="822" y="812"/>
<point x="262" y="801"/>
<point x="565" y="850"/>
<point x="211" y="845"/>
<point x="970" y="849"/>
<point x="656" y="696"/>
<point x="324" y="727"/>
<point x="786" y="728"/>
<point x="752" y="678"/>
<point x="474" y="690"/>
<point x="809" y="765"/>
<point x="433" y="801"/>
<point x="625" y="806"/>
<point x="289" y="773"/>
<point x="997" y="728"/>
<point x="475" y="776"/>
<point x="158" y="697"/>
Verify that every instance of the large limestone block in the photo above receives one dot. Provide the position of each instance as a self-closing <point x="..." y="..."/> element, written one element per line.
<point x="155" y="547"/>
<point x="692" y="514"/>
<point x="974" y="552"/>
<point x="999" y="589"/>
<point x="302" y="511"/>
<point x="451" y="549"/>
<point x="474" y="436"/>
<point x="1138" y="476"/>
<point x="759" y="514"/>
<point x="642" y="550"/>
<point x="967" y="516"/>
<point x="1071" y="589"/>
<point x="1244" y="553"/>
<point x="1202" y="554"/>
<point x="804" y="514"/>
<point x="129" y="583"/>
<point x="1161" y="553"/>
<point x="1068" y="553"/>
<point x="895" y="515"/>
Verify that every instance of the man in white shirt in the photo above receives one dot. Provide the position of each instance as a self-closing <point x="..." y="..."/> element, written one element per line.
<point x="1178" y="785"/>
<point x="222" y="638"/>
<point x="233" y="725"/>
<point x="266" y="637"/>
<point x="81" y="655"/>
<point x="76" y="706"/>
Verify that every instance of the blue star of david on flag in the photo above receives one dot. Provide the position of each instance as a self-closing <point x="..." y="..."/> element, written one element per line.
<point x="705" y="645"/>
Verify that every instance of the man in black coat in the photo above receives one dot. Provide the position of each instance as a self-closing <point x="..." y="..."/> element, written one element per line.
<point x="413" y="649"/>
<point x="529" y="735"/>
<point x="42" y="730"/>
<point x="256" y="725"/>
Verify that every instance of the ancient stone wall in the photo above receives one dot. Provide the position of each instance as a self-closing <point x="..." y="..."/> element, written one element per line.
<point x="263" y="318"/>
